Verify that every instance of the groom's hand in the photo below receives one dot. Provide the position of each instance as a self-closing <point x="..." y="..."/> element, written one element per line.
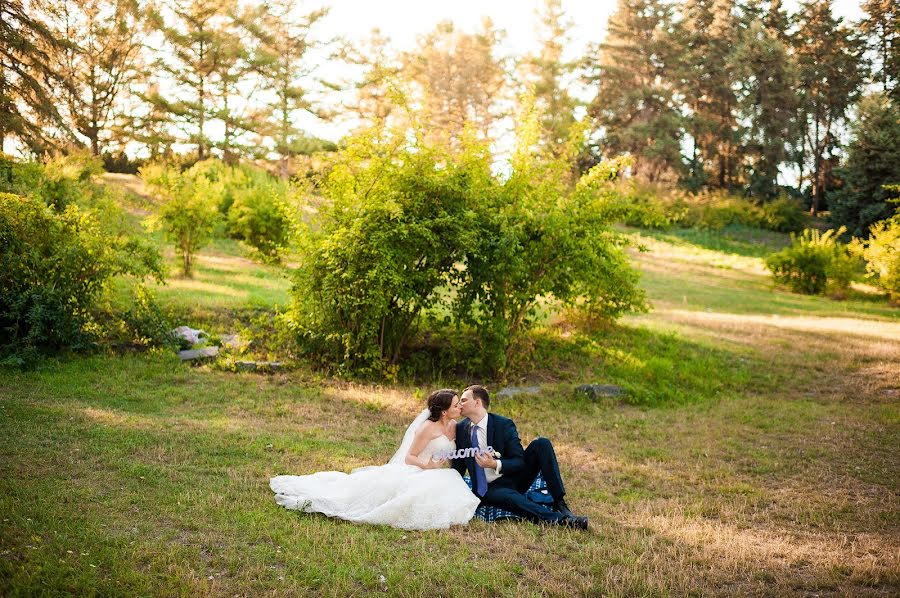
<point x="486" y="460"/>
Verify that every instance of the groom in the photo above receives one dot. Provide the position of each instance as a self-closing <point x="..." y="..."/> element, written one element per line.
<point x="502" y="480"/>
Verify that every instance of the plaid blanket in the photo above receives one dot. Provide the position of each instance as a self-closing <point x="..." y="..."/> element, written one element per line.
<point x="537" y="492"/>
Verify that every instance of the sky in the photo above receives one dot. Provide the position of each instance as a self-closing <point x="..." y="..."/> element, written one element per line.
<point x="403" y="21"/>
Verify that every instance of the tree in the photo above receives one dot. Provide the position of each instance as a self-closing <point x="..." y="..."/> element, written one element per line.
<point x="374" y="102"/>
<point x="284" y="41"/>
<point x="194" y="42"/>
<point x="100" y="62"/>
<point x="708" y="33"/>
<point x="882" y="26"/>
<point x="458" y="79"/>
<point x="189" y="209"/>
<point x="538" y="236"/>
<point x="766" y="77"/>
<point x="831" y="74"/>
<point x="873" y="161"/>
<point x="546" y="72"/>
<point x="634" y="104"/>
<point x="28" y="81"/>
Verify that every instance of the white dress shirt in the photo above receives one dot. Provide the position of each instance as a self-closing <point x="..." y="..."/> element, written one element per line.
<point x="490" y="473"/>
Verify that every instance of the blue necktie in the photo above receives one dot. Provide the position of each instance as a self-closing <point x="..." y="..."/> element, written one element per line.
<point x="480" y="478"/>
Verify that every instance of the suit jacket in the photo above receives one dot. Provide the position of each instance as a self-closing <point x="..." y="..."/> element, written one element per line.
<point x="503" y="437"/>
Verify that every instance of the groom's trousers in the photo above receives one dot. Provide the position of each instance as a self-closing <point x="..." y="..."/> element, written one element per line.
<point x="508" y="491"/>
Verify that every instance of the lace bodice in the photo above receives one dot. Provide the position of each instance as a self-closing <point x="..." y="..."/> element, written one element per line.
<point x="436" y="445"/>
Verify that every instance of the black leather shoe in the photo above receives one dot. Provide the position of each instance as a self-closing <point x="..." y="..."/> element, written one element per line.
<point x="561" y="507"/>
<point x="574" y="521"/>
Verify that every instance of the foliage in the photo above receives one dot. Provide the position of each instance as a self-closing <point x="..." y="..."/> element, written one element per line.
<point x="873" y="161"/>
<point x="390" y="229"/>
<point x="634" y="102"/>
<point x="259" y="215"/>
<point x="658" y="207"/>
<point x="814" y="263"/>
<point x="881" y="251"/>
<point x="188" y="211"/>
<point x="783" y="215"/>
<point x="53" y="267"/>
<point x="539" y="238"/>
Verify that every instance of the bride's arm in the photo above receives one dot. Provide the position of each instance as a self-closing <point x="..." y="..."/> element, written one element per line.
<point x="423" y="436"/>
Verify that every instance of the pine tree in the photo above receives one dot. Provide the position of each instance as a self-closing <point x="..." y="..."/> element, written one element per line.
<point x="194" y="36"/>
<point x="381" y="71"/>
<point x="101" y="62"/>
<point x="873" y="161"/>
<point x="634" y="105"/>
<point x="831" y="74"/>
<point x="283" y="40"/>
<point x="459" y="79"/>
<point x="708" y="34"/>
<point x="547" y="74"/>
<point x="766" y="77"/>
<point x="28" y="81"/>
<point x="882" y="26"/>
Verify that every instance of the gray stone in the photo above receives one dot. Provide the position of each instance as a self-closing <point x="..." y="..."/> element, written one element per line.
<point x="511" y="391"/>
<point x="198" y="353"/>
<point x="190" y="335"/>
<point x="597" y="391"/>
<point x="234" y="341"/>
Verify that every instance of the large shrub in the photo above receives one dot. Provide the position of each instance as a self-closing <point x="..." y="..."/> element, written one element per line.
<point x="814" y="263"/>
<point x="881" y="251"/>
<point x="406" y="227"/>
<point x="538" y="236"/>
<point x="189" y="208"/>
<point x="393" y="222"/>
<point x="260" y="214"/>
<point x="53" y="266"/>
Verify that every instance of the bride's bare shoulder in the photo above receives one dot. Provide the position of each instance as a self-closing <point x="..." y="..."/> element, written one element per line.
<point x="429" y="428"/>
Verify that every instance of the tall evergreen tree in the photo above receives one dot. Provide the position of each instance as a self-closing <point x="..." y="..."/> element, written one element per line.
<point x="100" y="62"/>
<point x="547" y="74"/>
<point x="882" y="26"/>
<point x="873" y="160"/>
<point x="708" y="34"/>
<point x="28" y="81"/>
<point x="194" y="32"/>
<point x="634" y="105"/>
<point x="766" y="78"/>
<point x="831" y="75"/>
<point x="284" y="39"/>
<point x="381" y="69"/>
<point x="459" y="78"/>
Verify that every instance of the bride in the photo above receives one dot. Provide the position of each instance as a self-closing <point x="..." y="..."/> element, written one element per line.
<point x="412" y="491"/>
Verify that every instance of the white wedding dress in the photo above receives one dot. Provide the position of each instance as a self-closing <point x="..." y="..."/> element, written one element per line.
<point x="395" y="494"/>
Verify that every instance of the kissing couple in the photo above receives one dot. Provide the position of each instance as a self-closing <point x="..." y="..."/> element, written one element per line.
<point x="422" y="486"/>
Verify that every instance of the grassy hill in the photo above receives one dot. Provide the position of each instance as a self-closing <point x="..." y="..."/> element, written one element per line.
<point x="755" y="454"/>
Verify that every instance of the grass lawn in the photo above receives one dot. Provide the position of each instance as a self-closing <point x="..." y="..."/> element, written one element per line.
<point x="757" y="454"/>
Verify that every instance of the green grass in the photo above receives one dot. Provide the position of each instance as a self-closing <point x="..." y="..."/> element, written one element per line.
<point x="755" y="454"/>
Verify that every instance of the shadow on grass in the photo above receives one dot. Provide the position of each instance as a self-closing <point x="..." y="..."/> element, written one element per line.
<point x="734" y="239"/>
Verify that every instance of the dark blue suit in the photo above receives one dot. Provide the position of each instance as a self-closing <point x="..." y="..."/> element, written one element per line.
<point x="518" y="470"/>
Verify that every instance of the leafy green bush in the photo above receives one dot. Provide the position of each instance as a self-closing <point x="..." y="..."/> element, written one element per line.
<point x="53" y="266"/>
<point x="881" y="251"/>
<point x="390" y="229"/>
<point x="260" y="215"/>
<point x="188" y="211"/>
<point x="538" y="236"/>
<point x="814" y="263"/>
<point x="407" y="227"/>
<point x="61" y="181"/>
<point x="783" y="215"/>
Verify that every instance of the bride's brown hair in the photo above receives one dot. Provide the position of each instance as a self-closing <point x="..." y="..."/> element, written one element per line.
<point x="439" y="401"/>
